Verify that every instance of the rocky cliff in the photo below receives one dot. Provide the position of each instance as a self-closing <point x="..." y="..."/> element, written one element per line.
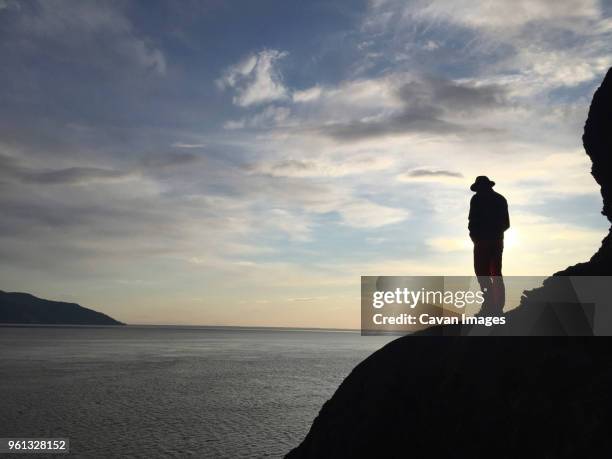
<point x="449" y="396"/>
<point x="597" y="141"/>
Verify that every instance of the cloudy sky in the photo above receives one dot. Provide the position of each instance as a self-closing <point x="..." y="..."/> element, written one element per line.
<point x="226" y="162"/>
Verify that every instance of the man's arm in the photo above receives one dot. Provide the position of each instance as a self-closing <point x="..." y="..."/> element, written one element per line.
<point x="505" y="216"/>
<point x="471" y="216"/>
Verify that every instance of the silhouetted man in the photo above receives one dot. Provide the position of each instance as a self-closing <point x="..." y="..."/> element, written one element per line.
<point x="488" y="220"/>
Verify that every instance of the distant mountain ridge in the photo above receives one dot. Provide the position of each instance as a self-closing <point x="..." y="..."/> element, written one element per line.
<point x="23" y="308"/>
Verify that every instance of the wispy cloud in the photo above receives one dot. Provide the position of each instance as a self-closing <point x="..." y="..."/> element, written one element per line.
<point x="255" y="79"/>
<point x="404" y="103"/>
<point x="188" y="145"/>
<point x="433" y="173"/>
<point x="12" y="170"/>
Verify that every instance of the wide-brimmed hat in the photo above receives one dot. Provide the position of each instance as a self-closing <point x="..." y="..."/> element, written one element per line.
<point x="482" y="182"/>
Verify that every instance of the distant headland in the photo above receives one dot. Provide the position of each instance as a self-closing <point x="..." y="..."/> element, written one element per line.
<point x="23" y="308"/>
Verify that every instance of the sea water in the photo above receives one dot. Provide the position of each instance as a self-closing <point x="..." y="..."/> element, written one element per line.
<point x="141" y="391"/>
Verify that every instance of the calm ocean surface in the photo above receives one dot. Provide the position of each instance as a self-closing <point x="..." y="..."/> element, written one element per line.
<point x="171" y="391"/>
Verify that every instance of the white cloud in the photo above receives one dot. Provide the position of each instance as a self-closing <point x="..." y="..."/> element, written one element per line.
<point x="366" y="214"/>
<point x="307" y="95"/>
<point x="426" y="174"/>
<point x="431" y="45"/>
<point x="255" y="79"/>
<point x="188" y="145"/>
<point x="549" y="43"/>
<point x="324" y="166"/>
<point x="547" y="68"/>
<point x="146" y="56"/>
<point x="496" y="15"/>
<point x="270" y="116"/>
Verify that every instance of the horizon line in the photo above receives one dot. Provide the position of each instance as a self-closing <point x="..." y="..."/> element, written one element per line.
<point x="242" y="327"/>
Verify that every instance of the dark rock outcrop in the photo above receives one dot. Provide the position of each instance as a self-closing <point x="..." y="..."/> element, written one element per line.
<point x="597" y="141"/>
<point x="469" y="397"/>
<point x="451" y="396"/>
<point x="23" y="308"/>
